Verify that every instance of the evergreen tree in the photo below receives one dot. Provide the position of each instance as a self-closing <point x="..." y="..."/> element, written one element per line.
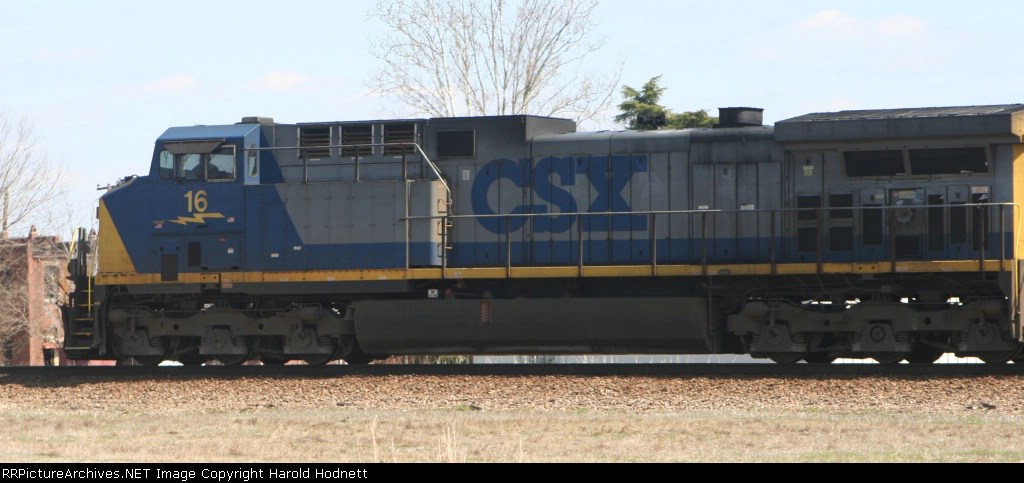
<point x="691" y="119"/>
<point x="641" y="111"/>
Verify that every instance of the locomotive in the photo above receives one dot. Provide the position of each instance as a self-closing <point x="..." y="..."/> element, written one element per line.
<point x="886" y="234"/>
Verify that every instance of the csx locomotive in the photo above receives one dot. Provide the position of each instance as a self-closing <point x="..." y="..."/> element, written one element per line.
<point x="885" y="234"/>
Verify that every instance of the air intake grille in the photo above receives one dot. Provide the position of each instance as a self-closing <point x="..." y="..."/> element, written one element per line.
<point x="357" y="135"/>
<point x="399" y="133"/>
<point x="314" y="140"/>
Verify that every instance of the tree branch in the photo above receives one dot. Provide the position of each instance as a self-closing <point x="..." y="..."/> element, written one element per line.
<point x="449" y="58"/>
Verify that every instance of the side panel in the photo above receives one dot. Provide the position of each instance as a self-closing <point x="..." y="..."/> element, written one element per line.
<point x="747" y="221"/>
<point x="345" y="225"/>
<point x="675" y="177"/>
<point x="725" y="223"/>
<point x="769" y="197"/>
<point x="702" y="226"/>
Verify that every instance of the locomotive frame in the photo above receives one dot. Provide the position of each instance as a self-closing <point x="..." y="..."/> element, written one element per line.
<point x="885" y="234"/>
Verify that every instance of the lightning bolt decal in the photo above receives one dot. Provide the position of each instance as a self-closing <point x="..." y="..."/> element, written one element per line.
<point x="199" y="218"/>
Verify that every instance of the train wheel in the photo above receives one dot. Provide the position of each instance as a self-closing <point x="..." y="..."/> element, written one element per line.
<point x="924" y="354"/>
<point x="271" y="351"/>
<point x="187" y="353"/>
<point x="320" y="359"/>
<point x="785" y="357"/>
<point x="140" y="338"/>
<point x="889" y="357"/>
<point x="238" y="359"/>
<point x="352" y="353"/>
<point x="819" y="358"/>
<point x="998" y="357"/>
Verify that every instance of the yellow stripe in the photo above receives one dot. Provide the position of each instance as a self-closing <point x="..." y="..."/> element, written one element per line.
<point x="633" y="271"/>
<point x="113" y="256"/>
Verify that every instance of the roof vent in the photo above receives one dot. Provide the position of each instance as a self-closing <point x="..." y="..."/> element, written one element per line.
<point x="740" y="117"/>
<point x="257" y="120"/>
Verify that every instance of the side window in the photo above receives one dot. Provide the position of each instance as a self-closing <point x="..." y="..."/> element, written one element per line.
<point x="253" y="163"/>
<point x="885" y="163"/>
<point x="190" y="166"/>
<point x="222" y="164"/>
<point x="456" y="144"/>
<point x="166" y="165"/>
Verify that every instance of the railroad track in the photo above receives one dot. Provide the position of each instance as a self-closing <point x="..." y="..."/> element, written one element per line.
<point x="10" y="374"/>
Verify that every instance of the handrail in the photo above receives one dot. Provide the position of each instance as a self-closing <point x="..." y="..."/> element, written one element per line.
<point x="690" y="212"/>
<point x="433" y="166"/>
<point x="777" y="227"/>
<point x="406" y="219"/>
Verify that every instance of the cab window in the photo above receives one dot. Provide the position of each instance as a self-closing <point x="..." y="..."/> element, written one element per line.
<point x="166" y="164"/>
<point x="215" y="165"/>
<point x="221" y="164"/>
<point x="190" y="166"/>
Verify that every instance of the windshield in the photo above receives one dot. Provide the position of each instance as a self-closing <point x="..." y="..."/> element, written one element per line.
<point x="218" y="165"/>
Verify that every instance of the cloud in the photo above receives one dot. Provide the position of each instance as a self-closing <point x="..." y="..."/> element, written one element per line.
<point x="838" y="23"/>
<point x="831" y="20"/>
<point x="842" y="42"/>
<point x="172" y="84"/>
<point x="278" y="81"/>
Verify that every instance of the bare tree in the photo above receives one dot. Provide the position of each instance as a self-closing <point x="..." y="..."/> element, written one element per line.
<point x="14" y="304"/>
<point x="31" y="186"/>
<point x="31" y="192"/>
<point x="488" y="57"/>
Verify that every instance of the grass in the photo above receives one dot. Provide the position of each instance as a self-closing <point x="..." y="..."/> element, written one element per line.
<point x="458" y="435"/>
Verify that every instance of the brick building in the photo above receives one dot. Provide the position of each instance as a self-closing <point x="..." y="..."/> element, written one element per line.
<point x="33" y="279"/>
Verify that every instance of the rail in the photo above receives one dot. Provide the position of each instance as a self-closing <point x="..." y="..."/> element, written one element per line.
<point x="302" y="150"/>
<point x="969" y="231"/>
<point x="356" y="161"/>
<point x="71" y="375"/>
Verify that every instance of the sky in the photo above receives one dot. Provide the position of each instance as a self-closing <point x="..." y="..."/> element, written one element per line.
<point x="100" y="80"/>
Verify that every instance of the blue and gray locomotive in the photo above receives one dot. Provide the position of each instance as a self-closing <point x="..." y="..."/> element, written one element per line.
<point x="885" y="234"/>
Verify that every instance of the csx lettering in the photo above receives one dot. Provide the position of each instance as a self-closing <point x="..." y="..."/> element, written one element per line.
<point x="607" y="177"/>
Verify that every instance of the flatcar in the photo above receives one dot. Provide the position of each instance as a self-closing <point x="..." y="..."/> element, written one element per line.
<point x="886" y="234"/>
